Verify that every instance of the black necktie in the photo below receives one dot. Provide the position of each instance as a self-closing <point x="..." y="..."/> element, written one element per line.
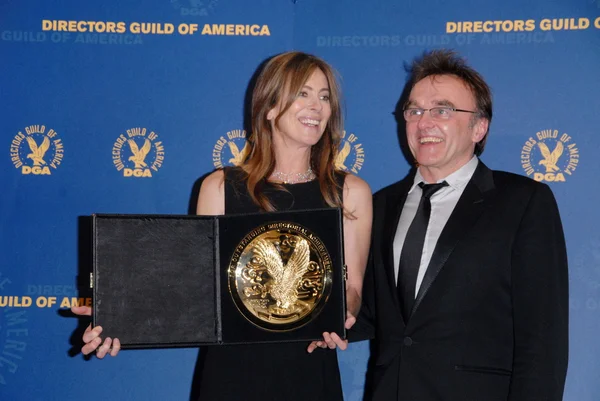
<point x="412" y="250"/>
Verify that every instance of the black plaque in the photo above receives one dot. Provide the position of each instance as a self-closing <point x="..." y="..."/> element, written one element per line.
<point x="175" y="281"/>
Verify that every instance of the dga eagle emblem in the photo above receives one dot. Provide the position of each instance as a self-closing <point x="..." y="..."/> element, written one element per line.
<point x="238" y="157"/>
<point x="342" y="155"/>
<point x="38" y="152"/>
<point x="350" y="156"/>
<point x="558" y="164"/>
<point x="281" y="278"/>
<point x="550" y="159"/>
<point x="139" y="155"/>
<point x="232" y="140"/>
<point x="135" y="161"/>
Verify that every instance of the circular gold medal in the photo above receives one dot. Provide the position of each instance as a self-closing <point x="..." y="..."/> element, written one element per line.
<point x="280" y="276"/>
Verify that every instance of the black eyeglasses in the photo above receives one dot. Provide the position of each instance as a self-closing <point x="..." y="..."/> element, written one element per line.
<point x="437" y="113"/>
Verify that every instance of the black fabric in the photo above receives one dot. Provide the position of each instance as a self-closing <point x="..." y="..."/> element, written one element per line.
<point x="153" y="284"/>
<point x="270" y="372"/>
<point x="412" y="250"/>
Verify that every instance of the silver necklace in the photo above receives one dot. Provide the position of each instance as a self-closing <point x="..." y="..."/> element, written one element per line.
<point x="294" y="178"/>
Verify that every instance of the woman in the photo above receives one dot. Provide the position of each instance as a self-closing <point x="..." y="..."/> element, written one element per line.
<point x="296" y="130"/>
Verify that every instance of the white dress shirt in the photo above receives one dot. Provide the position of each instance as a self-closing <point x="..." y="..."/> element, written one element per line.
<point x="443" y="203"/>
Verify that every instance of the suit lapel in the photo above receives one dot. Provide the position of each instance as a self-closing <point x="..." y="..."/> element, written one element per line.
<point x="467" y="211"/>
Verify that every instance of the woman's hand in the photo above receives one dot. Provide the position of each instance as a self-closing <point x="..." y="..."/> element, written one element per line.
<point x="92" y="340"/>
<point x="332" y="340"/>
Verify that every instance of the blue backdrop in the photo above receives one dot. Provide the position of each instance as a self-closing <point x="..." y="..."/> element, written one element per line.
<point x="80" y="79"/>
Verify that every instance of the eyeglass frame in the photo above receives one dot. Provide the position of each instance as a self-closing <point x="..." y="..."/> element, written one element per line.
<point x="434" y="108"/>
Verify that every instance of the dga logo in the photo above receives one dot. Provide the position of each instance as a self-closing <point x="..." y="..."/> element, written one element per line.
<point x="138" y="153"/>
<point x="195" y="8"/>
<point x="231" y="149"/>
<point x="549" y="156"/>
<point x="351" y="155"/>
<point x="38" y="151"/>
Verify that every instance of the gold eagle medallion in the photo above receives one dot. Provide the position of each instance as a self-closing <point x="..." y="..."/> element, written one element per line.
<point x="280" y="276"/>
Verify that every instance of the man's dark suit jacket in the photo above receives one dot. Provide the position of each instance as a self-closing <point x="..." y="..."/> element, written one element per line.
<point x="490" y="320"/>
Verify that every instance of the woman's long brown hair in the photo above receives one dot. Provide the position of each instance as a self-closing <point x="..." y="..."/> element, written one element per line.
<point x="287" y="73"/>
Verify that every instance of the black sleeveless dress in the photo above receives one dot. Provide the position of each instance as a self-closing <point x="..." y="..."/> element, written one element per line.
<point x="270" y="372"/>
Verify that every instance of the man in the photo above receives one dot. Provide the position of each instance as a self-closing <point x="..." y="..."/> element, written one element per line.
<point x="467" y="287"/>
